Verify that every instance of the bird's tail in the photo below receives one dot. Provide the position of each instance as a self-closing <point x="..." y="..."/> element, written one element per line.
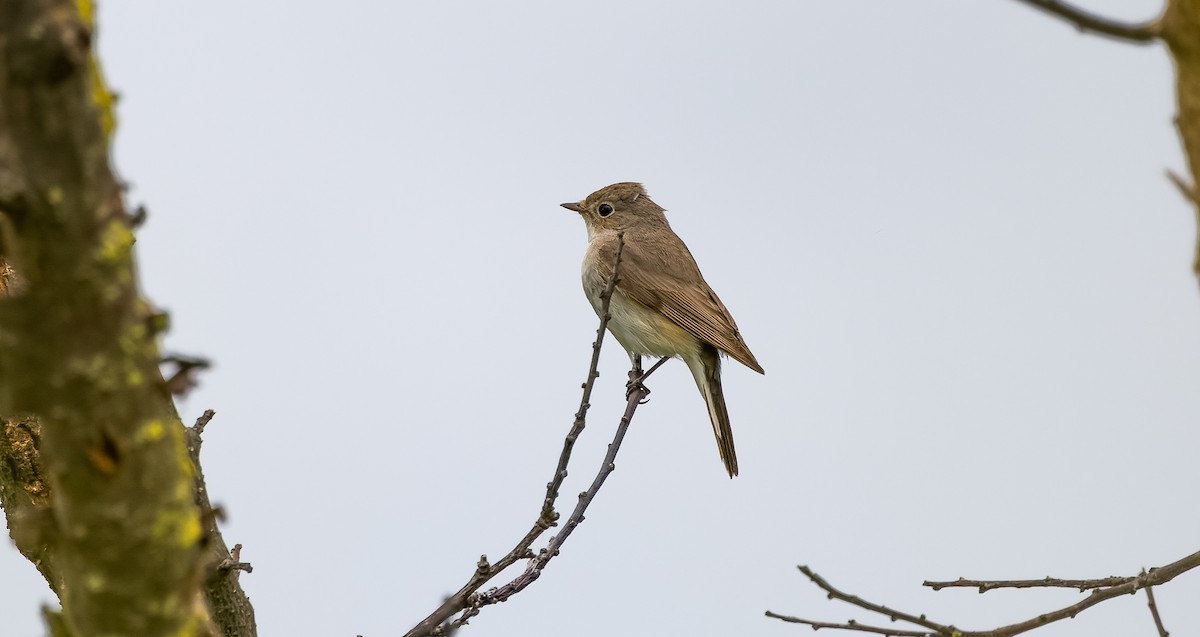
<point x="706" y="369"/>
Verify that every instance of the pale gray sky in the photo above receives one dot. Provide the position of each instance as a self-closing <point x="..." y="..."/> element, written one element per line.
<point x="943" y="228"/>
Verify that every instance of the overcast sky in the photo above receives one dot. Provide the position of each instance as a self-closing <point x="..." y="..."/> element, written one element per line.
<point x="943" y="228"/>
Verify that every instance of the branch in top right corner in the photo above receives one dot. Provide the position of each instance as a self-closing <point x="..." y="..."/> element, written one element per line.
<point x="1138" y="33"/>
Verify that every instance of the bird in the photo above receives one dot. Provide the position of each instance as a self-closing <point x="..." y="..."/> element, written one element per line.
<point x="661" y="306"/>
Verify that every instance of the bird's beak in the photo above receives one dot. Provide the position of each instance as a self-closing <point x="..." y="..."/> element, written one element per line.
<point x="572" y="206"/>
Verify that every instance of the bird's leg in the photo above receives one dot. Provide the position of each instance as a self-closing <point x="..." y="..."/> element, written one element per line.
<point x="635" y="381"/>
<point x="635" y="373"/>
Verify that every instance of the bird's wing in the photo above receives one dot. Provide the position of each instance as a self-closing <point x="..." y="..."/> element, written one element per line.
<point x="676" y="288"/>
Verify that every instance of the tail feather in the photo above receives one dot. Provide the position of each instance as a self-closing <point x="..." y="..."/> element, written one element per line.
<point x="706" y="369"/>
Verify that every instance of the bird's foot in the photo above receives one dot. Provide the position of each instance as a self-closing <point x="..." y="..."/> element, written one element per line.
<point x="634" y="385"/>
<point x="637" y="378"/>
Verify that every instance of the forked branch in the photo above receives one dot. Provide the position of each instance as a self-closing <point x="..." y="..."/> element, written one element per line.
<point x="468" y="600"/>
<point x="1101" y="590"/>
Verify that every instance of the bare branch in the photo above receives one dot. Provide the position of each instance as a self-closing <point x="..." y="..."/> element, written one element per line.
<point x="1047" y="582"/>
<point x="1155" y="577"/>
<point x="228" y="605"/>
<point x="466" y="600"/>
<point x="534" y="570"/>
<point x="1187" y="190"/>
<point x="894" y="615"/>
<point x="1125" y="586"/>
<point x="1162" y="630"/>
<point x="549" y="516"/>
<point x="1140" y="33"/>
<point x="187" y="368"/>
<point x="201" y="423"/>
<point x="851" y="625"/>
<point x="234" y="562"/>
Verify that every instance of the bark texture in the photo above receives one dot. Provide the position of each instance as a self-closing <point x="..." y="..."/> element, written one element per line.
<point x="1181" y="31"/>
<point x="100" y="495"/>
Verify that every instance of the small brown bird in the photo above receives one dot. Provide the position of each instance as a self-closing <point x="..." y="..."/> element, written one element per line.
<point x="661" y="306"/>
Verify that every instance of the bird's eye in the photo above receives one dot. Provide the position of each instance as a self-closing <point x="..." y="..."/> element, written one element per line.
<point x="605" y="210"/>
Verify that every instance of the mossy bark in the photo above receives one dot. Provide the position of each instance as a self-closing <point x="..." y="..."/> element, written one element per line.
<point x="78" y="350"/>
<point x="1181" y="31"/>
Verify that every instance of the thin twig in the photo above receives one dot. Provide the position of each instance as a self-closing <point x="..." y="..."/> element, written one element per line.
<point x="893" y="615"/>
<point x="1047" y="582"/>
<point x="201" y="423"/>
<point x="1128" y="585"/>
<point x="560" y="473"/>
<point x="851" y="625"/>
<point x="184" y="378"/>
<point x="1162" y="630"/>
<point x="234" y="562"/>
<point x="1187" y="190"/>
<point x="1138" y="33"/>
<point x="1155" y="577"/>
<point x="466" y="600"/>
<point x="534" y="570"/>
